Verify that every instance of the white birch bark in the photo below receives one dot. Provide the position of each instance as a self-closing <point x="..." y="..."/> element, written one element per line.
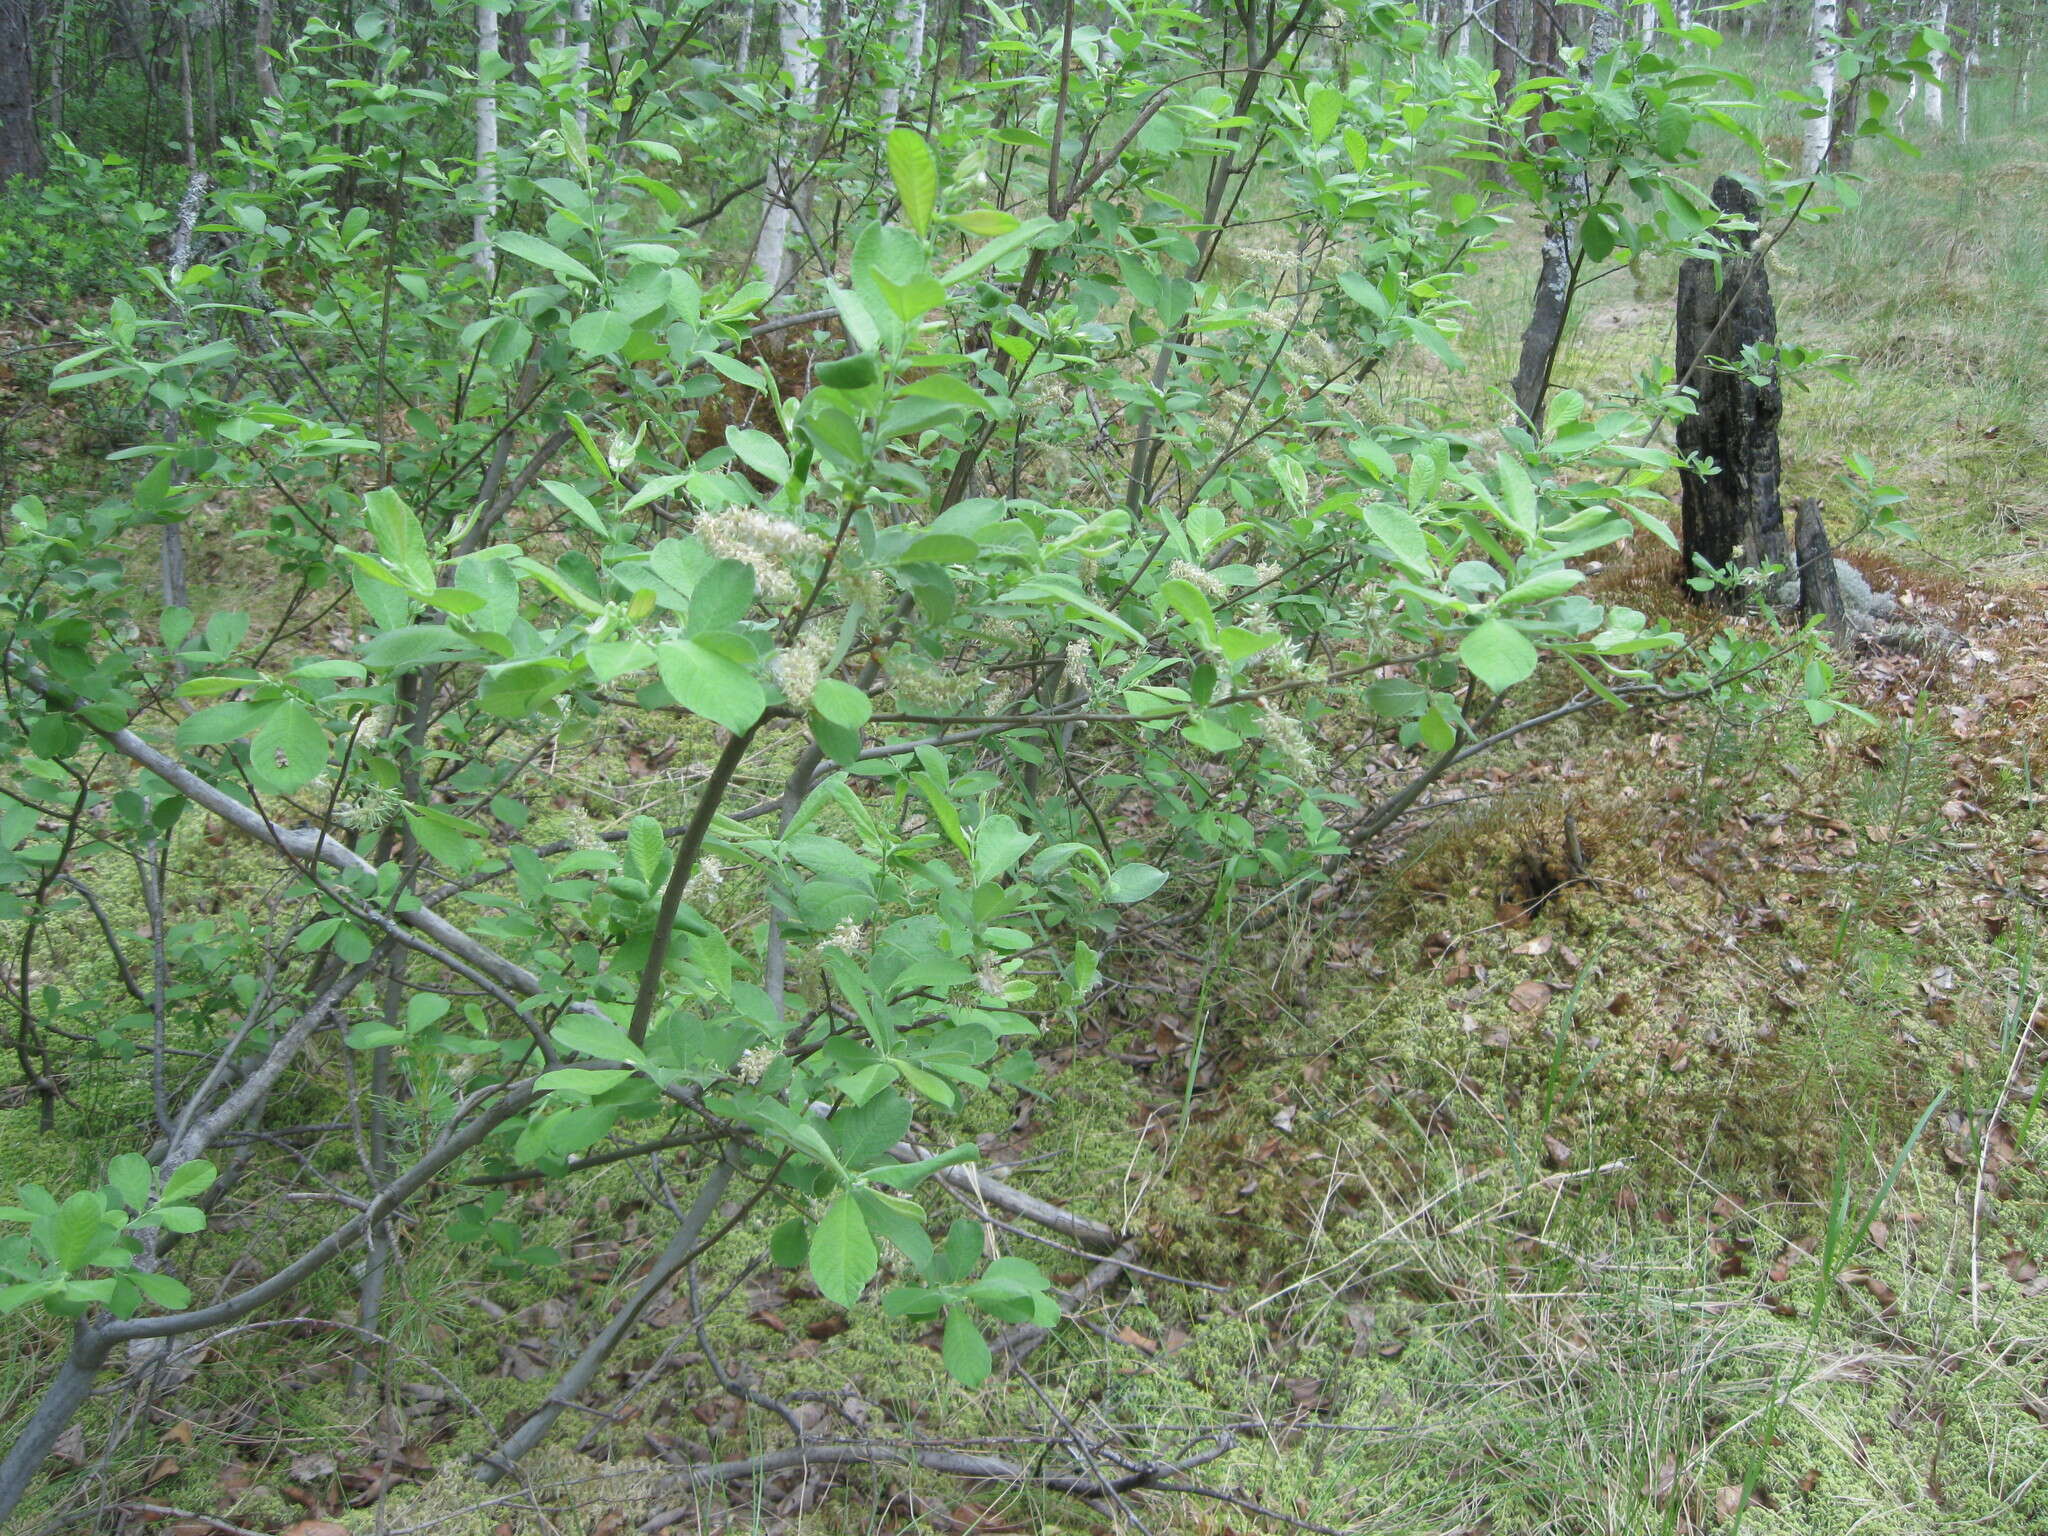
<point x="797" y="23"/>
<point x="579" y="27"/>
<point x="907" y="67"/>
<point x="1826" y="50"/>
<point x="1964" y="70"/>
<point x="486" y="133"/>
<point x="1935" y="90"/>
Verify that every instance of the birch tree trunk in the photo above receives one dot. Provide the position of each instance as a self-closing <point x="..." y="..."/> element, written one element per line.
<point x="486" y="134"/>
<point x="798" y="23"/>
<point x="1820" y="130"/>
<point x="1934" y="93"/>
<point x="1964" y="68"/>
<point x="908" y="67"/>
<point x="579" y="28"/>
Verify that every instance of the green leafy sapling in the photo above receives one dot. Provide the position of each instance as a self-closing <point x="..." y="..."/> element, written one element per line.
<point x="79" y="1252"/>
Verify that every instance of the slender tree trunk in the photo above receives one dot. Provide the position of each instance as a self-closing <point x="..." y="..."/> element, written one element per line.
<point x="1964" y="68"/>
<point x="61" y="1401"/>
<point x="486" y="133"/>
<point x="379" y="1248"/>
<point x="579" y="25"/>
<point x="907" y="68"/>
<point x="1848" y="117"/>
<point x="974" y="29"/>
<point x="1820" y="129"/>
<point x="514" y="43"/>
<point x="210" y="93"/>
<point x="171" y="540"/>
<point x="798" y="23"/>
<point x="58" y="54"/>
<point x="746" y="48"/>
<point x="266" y="22"/>
<point x="1506" y="35"/>
<point x="21" y="151"/>
<point x="132" y="16"/>
<point x="185" y="93"/>
<point x="1934" y="94"/>
<point x="1545" y="330"/>
<point x="1554" y="278"/>
<point x="682" y="1249"/>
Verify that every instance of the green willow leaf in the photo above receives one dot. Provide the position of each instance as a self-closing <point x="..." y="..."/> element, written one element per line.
<point x="843" y="1253"/>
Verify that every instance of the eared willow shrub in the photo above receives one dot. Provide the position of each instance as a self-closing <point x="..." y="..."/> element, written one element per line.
<point x="1030" y="593"/>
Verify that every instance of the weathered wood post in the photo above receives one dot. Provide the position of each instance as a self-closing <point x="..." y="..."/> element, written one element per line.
<point x="1724" y="305"/>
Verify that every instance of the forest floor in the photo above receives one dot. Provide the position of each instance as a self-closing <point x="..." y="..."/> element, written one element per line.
<point x="1559" y="1168"/>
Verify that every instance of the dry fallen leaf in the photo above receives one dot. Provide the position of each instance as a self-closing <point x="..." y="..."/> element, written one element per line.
<point x="315" y="1528"/>
<point x="1662" y="1481"/>
<point x="70" y="1446"/>
<point x="1530" y="996"/>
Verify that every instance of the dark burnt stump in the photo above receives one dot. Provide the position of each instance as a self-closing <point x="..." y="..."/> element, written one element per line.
<point x="1724" y="306"/>
<point x="1820" y="588"/>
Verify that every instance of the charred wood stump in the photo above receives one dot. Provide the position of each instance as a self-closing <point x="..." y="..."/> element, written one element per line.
<point x="1820" y="589"/>
<point x="1732" y="516"/>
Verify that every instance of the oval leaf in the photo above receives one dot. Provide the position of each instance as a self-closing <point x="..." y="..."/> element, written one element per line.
<point x="843" y="1254"/>
<point x="1498" y="654"/>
